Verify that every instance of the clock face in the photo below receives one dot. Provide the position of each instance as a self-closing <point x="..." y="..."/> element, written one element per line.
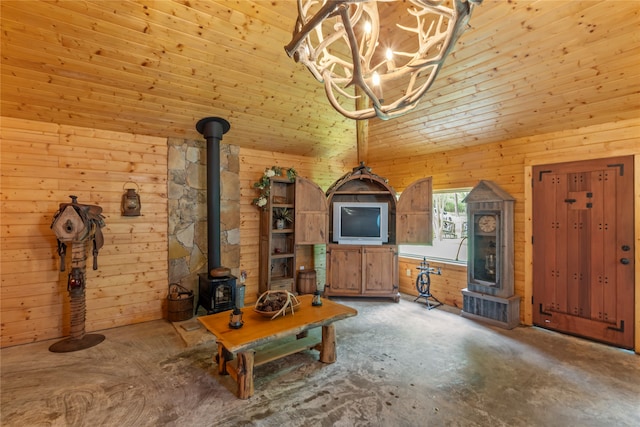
<point x="487" y="223"/>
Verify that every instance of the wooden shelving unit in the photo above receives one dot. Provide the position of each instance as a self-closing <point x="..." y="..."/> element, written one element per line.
<point x="277" y="245"/>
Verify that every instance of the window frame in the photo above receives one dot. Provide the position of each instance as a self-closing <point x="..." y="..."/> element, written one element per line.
<point x="405" y="250"/>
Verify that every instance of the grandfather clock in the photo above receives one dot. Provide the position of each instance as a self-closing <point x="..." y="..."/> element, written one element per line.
<point x="489" y="292"/>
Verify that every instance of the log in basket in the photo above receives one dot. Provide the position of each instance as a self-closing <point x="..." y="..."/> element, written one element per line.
<point x="180" y="303"/>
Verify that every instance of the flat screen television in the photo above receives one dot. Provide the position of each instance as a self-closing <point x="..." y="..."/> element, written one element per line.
<point x="360" y="223"/>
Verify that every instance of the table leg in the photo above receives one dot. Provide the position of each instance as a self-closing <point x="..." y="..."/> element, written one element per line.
<point x="221" y="359"/>
<point x="245" y="374"/>
<point x="328" y="350"/>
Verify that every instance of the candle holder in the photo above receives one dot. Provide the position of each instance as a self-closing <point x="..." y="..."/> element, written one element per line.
<point x="316" y="301"/>
<point x="235" y="319"/>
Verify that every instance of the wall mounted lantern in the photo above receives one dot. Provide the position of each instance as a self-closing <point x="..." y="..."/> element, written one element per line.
<point x="344" y="45"/>
<point x="131" y="201"/>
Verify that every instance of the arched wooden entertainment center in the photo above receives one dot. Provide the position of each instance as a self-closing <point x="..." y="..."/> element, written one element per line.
<point x="371" y="270"/>
<point x="355" y="270"/>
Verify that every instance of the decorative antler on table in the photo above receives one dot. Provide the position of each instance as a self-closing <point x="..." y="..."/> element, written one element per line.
<point x="276" y="301"/>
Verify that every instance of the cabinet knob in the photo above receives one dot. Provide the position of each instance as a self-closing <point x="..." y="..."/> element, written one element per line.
<point x="624" y="261"/>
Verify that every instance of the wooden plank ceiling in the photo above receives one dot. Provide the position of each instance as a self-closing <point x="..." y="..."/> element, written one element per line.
<point x="156" y="67"/>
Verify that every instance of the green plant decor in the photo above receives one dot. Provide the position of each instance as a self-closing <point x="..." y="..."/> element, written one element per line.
<point x="284" y="214"/>
<point x="263" y="185"/>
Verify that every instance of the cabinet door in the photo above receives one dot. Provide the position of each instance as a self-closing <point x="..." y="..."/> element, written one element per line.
<point x="344" y="270"/>
<point x="380" y="266"/>
<point x="312" y="218"/>
<point x="414" y="209"/>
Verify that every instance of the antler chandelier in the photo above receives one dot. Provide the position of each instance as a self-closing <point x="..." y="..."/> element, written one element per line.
<point x="343" y="45"/>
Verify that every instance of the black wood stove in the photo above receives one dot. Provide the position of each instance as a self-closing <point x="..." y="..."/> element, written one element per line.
<point x="217" y="287"/>
<point x="216" y="294"/>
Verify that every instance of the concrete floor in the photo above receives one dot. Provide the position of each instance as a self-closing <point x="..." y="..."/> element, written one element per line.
<point x="398" y="365"/>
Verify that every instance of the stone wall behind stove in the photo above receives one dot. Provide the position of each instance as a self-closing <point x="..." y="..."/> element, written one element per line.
<point x="187" y="198"/>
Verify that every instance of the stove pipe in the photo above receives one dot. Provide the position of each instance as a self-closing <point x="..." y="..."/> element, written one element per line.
<point x="212" y="128"/>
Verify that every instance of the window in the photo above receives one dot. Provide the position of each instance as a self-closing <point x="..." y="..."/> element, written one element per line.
<point x="449" y="229"/>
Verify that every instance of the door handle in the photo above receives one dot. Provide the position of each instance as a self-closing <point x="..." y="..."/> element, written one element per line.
<point x="624" y="261"/>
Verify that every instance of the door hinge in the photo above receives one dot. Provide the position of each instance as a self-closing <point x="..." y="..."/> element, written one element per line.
<point x="620" y="329"/>
<point x="618" y="165"/>
<point x="540" y="174"/>
<point x="544" y="312"/>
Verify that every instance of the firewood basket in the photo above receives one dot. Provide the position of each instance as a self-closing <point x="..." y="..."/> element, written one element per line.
<point x="180" y="303"/>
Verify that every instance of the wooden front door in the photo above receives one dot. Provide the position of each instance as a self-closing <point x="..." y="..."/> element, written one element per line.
<point x="583" y="249"/>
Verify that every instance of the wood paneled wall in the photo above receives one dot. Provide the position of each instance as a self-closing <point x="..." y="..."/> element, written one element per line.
<point x="508" y="163"/>
<point x="446" y="287"/>
<point x="323" y="172"/>
<point x="42" y="164"/>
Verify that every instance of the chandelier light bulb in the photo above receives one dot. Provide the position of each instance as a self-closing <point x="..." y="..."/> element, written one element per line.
<point x="389" y="54"/>
<point x="375" y="78"/>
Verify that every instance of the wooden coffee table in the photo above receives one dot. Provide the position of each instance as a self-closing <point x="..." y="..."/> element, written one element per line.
<point x="236" y="347"/>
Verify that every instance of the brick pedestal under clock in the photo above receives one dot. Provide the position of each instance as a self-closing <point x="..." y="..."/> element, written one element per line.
<point x="489" y="293"/>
